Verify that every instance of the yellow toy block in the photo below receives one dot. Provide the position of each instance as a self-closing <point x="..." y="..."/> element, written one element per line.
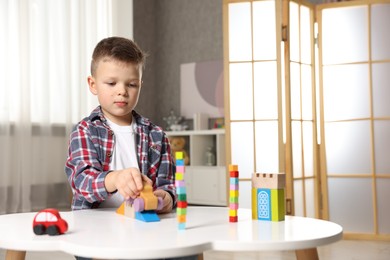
<point x="234" y="193"/>
<point x="179" y="155"/>
<point x="278" y="209"/>
<point x="232" y="213"/>
<point x="254" y="203"/>
<point x="179" y="176"/>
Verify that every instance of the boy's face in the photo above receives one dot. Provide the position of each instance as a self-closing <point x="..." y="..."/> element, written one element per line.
<point x="117" y="86"/>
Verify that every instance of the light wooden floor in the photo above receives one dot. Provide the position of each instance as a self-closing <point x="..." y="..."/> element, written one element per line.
<point x="345" y="249"/>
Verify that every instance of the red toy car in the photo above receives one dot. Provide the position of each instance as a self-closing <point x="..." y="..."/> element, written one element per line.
<point x="49" y="221"/>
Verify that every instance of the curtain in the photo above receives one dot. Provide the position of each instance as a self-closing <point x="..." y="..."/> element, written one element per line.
<point x="45" y="50"/>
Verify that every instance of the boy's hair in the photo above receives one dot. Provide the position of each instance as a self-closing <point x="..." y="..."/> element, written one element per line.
<point x="117" y="48"/>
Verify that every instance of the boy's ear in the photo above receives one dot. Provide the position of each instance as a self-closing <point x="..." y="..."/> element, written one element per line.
<point x="92" y="85"/>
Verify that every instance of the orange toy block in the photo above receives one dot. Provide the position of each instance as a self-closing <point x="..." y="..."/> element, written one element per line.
<point x="121" y="209"/>
<point x="233" y="168"/>
<point x="149" y="198"/>
<point x="181" y="218"/>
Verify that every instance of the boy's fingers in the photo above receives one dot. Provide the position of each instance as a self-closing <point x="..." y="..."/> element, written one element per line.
<point x="137" y="180"/>
<point x="167" y="200"/>
<point x="159" y="193"/>
<point x="146" y="179"/>
<point x="125" y="192"/>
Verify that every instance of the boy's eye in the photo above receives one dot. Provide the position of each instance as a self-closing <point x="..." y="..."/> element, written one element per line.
<point x="133" y="85"/>
<point x="111" y="83"/>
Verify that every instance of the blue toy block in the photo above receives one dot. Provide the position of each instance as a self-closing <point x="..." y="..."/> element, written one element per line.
<point x="264" y="204"/>
<point x="182" y="226"/>
<point x="181" y="190"/>
<point x="179" y="162"/>
<point x="233" y="180"/>
<point x="147" y="216"/>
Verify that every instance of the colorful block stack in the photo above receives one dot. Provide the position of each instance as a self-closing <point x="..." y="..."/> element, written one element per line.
<point x="268" y="202"/>
<point x="181" y="209"/>
<point x="233" y="194"/>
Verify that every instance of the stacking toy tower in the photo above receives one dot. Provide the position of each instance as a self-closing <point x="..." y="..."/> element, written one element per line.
<point x="233" y="194"/>
<point x="181" y="210"/>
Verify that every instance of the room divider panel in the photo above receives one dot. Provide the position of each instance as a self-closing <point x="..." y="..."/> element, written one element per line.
<point x="306" y="90"/>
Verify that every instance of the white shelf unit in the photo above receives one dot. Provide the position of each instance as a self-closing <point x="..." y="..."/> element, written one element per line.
<point x="206" y="185"/>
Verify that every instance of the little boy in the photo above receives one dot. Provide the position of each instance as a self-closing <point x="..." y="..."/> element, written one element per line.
<point x="114" y="151"/>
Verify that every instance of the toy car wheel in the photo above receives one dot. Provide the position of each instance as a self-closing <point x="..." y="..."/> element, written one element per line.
<point x="160" y="203"/>
<point x="52" y="230"/>
<point x="39" y="229"/>
<point x="139" y="205"/>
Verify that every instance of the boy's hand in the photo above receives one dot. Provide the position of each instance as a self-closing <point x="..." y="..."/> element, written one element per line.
<point x="167" y="201"/>
<point x="128" y="182"/>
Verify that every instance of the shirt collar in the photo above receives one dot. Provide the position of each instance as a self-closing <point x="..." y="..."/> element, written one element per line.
<point x="97" y="114"/>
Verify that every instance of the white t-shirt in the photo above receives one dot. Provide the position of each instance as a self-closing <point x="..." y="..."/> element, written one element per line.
<point x="124" y="156"/>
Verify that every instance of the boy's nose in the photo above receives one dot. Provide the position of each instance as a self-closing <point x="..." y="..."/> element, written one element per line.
<point x="122" y="90"/>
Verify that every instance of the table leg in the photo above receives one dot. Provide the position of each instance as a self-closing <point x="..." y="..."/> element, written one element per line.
<point x="307" y="254"/>
<point x="200" y="256"/>
<point x="15" y="255"/>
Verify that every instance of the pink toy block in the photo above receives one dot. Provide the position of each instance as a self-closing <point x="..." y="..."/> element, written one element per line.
<point x="233" y="206"/>
<point x="233" y="186"/>
<point x="180" y="169"/>
<point x="179" y="183"/>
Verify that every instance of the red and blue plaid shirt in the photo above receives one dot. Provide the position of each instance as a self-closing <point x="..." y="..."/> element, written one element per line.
<point x="91" y="145"/>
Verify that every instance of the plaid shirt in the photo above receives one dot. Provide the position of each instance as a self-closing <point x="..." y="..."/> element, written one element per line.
<point x="91" y="145"/>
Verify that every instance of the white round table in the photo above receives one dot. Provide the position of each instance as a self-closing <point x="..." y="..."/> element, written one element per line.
<point x="102" y="233"/>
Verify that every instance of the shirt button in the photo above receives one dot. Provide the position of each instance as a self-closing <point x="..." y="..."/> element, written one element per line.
<point x="108" y="154"/>
<point x="111" y="133"/>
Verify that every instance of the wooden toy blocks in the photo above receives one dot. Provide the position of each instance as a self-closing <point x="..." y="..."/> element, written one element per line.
<point x="233" y="193"/>
<point x="142" y="208"/>
<point x="268" y="202"/>
<point x="181" y="209"/>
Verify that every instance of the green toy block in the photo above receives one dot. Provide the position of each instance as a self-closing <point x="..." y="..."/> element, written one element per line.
<point x="181" y="211"/>
<point x="182" y="197"/>
<point x="233" y="199"/>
